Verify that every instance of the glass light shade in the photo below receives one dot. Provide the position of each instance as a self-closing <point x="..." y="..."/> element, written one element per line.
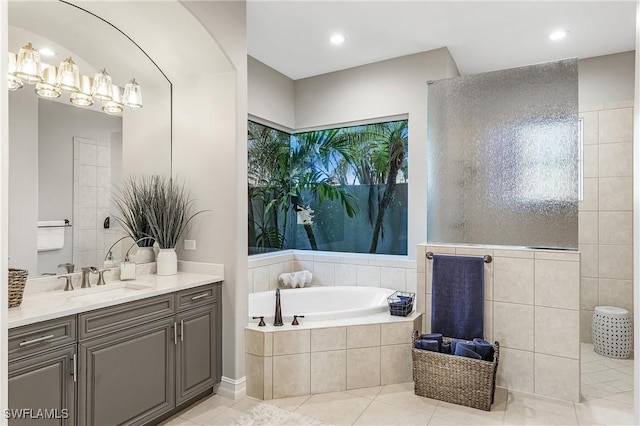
<point x="69" y="75"/>
<point x="13" y="82"/>
<point x="28" y="65"/>
<point x="82" y="98"/>
<point x="48" y="87"/>
<point x="132" y="95"/>
<point x="101" y="89"/>
<point x="114" y="106"/>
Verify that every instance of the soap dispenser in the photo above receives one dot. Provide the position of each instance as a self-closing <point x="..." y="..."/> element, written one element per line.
<point x="109" y="262"/>
<point x="127" y="270"/>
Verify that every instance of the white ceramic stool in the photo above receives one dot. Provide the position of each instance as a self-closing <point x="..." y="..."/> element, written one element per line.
<point x="612" y="332"/>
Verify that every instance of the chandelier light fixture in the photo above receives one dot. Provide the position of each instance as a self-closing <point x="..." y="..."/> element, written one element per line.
<point x="26" y="67"/>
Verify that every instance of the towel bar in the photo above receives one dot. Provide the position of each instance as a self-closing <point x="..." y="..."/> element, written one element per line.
<point x="487" y="258"/>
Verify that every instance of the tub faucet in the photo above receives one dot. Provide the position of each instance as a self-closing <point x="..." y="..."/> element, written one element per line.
<point x="85" y="276"/>
<point x="277" y="321"/>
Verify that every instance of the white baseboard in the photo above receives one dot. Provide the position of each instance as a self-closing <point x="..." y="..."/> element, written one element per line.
<point x="231" y="388"/>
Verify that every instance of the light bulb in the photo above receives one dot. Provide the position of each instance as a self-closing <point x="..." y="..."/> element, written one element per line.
<point x="69" y="75"/>
<point x="48" y="87"/>
<point x="28" y="65"/>
<point x="101" y="89"/>
<point x="132" y="95"/>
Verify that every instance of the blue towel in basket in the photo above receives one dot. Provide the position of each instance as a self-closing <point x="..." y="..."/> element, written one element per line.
<point x="457" y="305"/>
<point x="484" y="349"/>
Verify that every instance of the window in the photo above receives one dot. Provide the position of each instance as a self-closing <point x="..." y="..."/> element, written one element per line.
<point x="341" y="189"/>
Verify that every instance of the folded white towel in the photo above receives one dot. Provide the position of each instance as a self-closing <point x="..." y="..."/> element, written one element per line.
<point x="50" y="235"/>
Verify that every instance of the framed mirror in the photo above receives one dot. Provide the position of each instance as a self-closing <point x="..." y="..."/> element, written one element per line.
<point x="66" y="162"/>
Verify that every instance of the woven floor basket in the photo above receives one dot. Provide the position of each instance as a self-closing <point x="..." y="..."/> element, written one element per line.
<point x="455" y="379"/>
<point x="17" y="280"/>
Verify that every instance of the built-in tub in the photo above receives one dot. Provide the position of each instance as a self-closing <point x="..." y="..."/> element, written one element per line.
<point x="320" y="303"/>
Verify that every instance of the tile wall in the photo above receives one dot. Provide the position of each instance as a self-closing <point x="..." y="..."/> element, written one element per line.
<point x="532" y="302"/>
<point x="605" y="216"/>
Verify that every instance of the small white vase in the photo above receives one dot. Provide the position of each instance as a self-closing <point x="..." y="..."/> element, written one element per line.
<point x="167" y="262"/>
<point x="145" y="255"/>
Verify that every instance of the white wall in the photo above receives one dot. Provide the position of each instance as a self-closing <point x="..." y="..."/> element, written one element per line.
<point x="4" y="206"/>
<point x="272" y="95"/>
<point x="606" y="78"/>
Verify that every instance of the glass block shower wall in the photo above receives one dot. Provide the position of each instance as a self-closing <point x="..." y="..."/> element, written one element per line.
<point x="504" y="157"/>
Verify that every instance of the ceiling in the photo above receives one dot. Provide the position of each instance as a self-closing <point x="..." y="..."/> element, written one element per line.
<point x="293" y="36"/>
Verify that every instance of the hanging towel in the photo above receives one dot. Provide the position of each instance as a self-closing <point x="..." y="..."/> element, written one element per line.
<point x="457" y="305"/>
<point x="484" y="349"/>
<point x="50" y="235"/>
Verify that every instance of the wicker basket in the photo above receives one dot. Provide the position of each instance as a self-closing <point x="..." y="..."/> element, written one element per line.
<point x="17" y="280"/>
<point x="455" y="379"/>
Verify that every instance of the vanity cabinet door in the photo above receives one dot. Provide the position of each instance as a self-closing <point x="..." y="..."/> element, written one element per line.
<point x="42" y="389"/>
<point x="197" y="349"/>
<point x="127" y="377"/>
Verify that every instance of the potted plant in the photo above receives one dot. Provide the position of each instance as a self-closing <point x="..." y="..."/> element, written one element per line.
<point x="168" y="214"/>
<point x="131" y="202"/>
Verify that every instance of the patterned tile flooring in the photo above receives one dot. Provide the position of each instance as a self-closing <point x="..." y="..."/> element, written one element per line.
<point x="607" y="399"/>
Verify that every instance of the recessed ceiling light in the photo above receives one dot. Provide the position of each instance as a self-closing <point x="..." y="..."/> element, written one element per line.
<point x="45" y="51"/>
<point x="558" y="35"/>
<point x="337" y="39"/>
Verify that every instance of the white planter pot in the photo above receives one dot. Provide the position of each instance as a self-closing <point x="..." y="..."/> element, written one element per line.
<point x="167" y="262"/>
<point x="145" y="255"/>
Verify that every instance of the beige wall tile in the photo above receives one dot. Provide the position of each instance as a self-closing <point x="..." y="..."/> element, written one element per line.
<point x="473" y="251"/>
<point x="589" y="195"/>
<point x="618" y="104"/>
<point x="368" y="276"/>
<point x="589" y="260"/>
<point x="427" y="315"/>
<point x="615" y="159"/>
<point x="421" y="297"/>
<point x="417" y="323"/>
<point x="489" y="272"/>
<point x="268" y="344"/>
<point x="421" y="260"/>
<point x="254" y="342"/>
<point x="590" y="161"/>
<point x="524" y="254"/>
<point x="515" y="370"/>
<point x="363" y="336"/>
<point x="394" y="278"/>
<point x="616" y="293"/>
<point x="302" y="265"/>
<point x="513" y="280"/>
<point x="557" y="377"/>
<point x="412" y="280"/>
<point x="565" y="255"/>
<point x="588" y="227"/>
<point x="261" y="279"/>
<point x="328" y="371"/>
<point x="615" y="193"/>
<point x="513" y="325"/>
<point x="588" y="293"/>
<point x="323" y="273"/>
<point x="328" y="339"/>
<point x="616" y="261"/>
<point x="615" y="227"/>
<point x="557" y="284"/>
<point x="488" y="320"/>
<point x="589" y="127"/>
<point x="440" y="249"/>
<point x="250" y="273"/>
<point x="395" y="364"/>
<point x="345" y="274"/>
<point x="363" y="367"/>
<point x="596" y="106"/>
<point x="396" y="333"/>
<point x="615" y="125"/>
<point x="586" y="317"/>
<point x="557" y="332"/>
<point x="291" y="375"/>
<point x="268" y="377"/>
<point x="274" y="272"/>
<point x="254" y="372"/>
<point x="291" y="342"/>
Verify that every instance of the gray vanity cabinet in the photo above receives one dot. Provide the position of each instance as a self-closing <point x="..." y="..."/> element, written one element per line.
<point x="127" y="377"/>
<point x="43" y="386"/>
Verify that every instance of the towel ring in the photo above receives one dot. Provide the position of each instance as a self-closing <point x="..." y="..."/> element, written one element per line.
<point x="487" y="258"/>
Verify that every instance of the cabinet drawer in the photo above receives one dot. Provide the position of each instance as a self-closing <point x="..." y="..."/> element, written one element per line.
<point x="41" y="336"/>
<point x="197" y="296"/>
<point x="115" y="318"/>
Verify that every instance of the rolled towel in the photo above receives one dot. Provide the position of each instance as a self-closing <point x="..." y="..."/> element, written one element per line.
<point x="445" y="348"/>
<point x="467" y="345"/>
<point x="454" y="342"/>
<point x="484" y="349"/>
<point x="432" y="336"/>
<point x="428" y="345"/>
<point x="468" y="353"/>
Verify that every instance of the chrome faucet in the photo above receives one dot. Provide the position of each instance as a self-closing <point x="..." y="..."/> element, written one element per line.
<point x="277" y="321"/>
<point x="85" y="276"/>
<point x="68" y="286"/>
<point x="70" y="267"/>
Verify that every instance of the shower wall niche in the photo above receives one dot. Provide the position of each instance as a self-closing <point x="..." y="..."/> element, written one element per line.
<point x="504" y="157"/>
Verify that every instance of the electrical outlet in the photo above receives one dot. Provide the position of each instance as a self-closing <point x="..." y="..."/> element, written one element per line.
<point x="189" y="244"/>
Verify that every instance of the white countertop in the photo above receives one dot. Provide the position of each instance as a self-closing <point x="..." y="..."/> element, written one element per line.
<point x="56" y="304"/>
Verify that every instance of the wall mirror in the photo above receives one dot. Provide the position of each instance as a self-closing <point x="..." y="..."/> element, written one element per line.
<point x="66" y="162"/>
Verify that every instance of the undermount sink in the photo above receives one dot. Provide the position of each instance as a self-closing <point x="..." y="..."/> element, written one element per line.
<point x="107" y="292"/>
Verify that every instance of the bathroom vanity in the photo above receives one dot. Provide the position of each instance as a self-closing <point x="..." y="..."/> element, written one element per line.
<point x="105" y="360"/>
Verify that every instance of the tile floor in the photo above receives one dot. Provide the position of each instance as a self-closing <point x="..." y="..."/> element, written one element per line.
<point x="607" y="390"/>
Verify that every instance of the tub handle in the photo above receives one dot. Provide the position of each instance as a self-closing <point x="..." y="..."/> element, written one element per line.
<point x="295" y="319"/>
<point x="261" y="323"/>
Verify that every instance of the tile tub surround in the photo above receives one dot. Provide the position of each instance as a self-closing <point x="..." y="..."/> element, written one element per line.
<point x="532" y="307"/>
<point x="331" y="268"/>
<point x="605" y="214"/>
<point x="328" y="356"/>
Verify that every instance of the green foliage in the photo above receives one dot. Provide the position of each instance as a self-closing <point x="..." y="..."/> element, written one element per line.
<point x="131" y="203"/>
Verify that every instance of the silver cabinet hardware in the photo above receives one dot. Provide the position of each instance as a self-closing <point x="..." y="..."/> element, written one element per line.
<point x="38" y="340"/>
<point x="182" y="330"/>
<point x="175" y="333"/>
<point x="200" y="296"/>
<point x="75" y="367"/>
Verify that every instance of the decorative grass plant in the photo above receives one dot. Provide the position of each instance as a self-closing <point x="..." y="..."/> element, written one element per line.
<point x="168" y="210"/>
<point x="132" y="202"/>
